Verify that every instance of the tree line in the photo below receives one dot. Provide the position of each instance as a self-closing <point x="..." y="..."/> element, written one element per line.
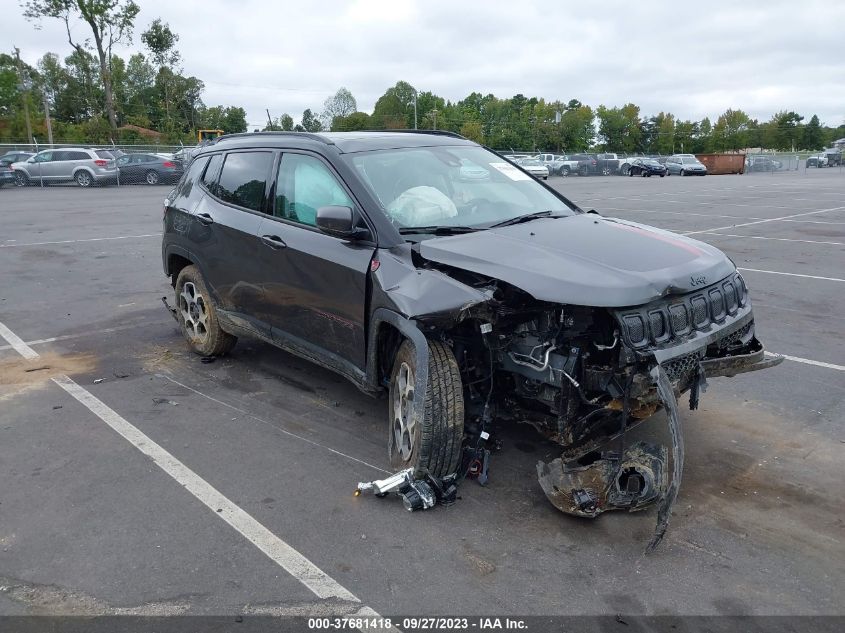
<point x="93" y="95"/>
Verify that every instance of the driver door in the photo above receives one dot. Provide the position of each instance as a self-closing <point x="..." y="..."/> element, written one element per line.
<point x="314" y="285"/>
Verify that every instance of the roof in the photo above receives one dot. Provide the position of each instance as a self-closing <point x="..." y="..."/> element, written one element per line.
<point x="347" y="142"/>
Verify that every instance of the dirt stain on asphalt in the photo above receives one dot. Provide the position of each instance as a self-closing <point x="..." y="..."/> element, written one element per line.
<point x="22" y="372"/>
<point x="54" y="600"/>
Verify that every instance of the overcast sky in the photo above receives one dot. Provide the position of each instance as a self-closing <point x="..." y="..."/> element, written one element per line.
<point x="693" y="59"/>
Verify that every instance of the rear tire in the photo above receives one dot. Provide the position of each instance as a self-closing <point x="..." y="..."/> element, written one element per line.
<point x="83" y="179"/>
<point x="197" y="316"/>
<point x="152" y="177"/>
<point x="433" y="443"/>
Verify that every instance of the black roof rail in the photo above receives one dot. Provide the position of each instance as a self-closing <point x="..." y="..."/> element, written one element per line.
<point x="311" y="135"/>
<point x="436" y="132"/>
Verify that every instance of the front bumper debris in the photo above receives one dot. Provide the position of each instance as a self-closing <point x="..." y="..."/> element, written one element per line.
<point x="740" y="363"/>
<point x="626" y="480"/>
<point x="631" y="481"/>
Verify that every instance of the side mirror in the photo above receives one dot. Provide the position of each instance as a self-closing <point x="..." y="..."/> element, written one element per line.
<point x="338" y="222"/>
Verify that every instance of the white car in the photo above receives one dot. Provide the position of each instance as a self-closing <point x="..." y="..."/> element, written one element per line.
<point x="535" y="168"/>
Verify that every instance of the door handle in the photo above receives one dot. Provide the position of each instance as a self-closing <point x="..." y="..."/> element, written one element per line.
<point x="205" y="219"/>
<point x="273" y="241"/>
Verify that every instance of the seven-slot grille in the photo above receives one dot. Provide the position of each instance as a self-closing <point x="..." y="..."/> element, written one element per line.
<point x="661" y="321"/>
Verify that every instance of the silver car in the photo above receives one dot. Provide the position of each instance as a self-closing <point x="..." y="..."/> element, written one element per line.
<point x="534" y="167"/>
<point x="85" y="166"/>
<point x="685" y="165"/>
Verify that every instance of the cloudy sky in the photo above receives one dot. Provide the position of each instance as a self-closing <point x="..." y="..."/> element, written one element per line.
<point x="694" y="59"/>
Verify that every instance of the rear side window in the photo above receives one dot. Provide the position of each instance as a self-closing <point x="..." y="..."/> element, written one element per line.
<point x="80" y="156"/>
<point x="101" y="153"/>
<point x="189" y="179"/>
<point x="209" y="179"/>
<point x="244" y="178"/>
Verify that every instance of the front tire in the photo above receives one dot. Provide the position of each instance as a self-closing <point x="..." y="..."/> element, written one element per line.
<point x="21" y="179"/>
<point x="564" y="171"/>
<point x="433" y="443"/>
<point x="197" y="316"/>
<point x="682" y="173"/>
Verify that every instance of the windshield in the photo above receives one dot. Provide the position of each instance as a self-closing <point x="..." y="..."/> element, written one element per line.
<point x="452" y="186"/>
<point x="689" y="160"/>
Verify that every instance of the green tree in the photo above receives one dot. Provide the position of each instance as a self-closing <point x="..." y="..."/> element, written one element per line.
<point x="109" y="21"/>
<point x="473" y="131"/>
<point x="813" y="137"/>
<point x="161" y="42"/>
<point x="230" y="119"/>
<point x="731" y="130"/>
<point x="352" y="122"/>
<point x="340" y="104"/>
<point x="310" y="123"/>
<point x="282" y="123"/>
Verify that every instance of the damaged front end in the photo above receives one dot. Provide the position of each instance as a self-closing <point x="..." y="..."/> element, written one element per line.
<point x="584" y="376"/>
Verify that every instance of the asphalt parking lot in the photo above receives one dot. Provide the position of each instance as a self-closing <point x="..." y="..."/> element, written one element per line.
<point x="90" y="522"/>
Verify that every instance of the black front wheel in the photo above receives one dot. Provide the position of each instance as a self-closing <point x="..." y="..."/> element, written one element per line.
<point x="21" y="179"/>
<point x="427" y="437"/>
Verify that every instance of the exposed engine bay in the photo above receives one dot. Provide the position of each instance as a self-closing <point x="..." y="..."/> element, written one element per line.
<point x="583" y="376"/>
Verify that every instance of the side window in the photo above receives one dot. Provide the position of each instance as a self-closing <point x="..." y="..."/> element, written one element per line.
<point x="190" y="178"/>
<point x="78" y="156"/>
<point x="304" y="184"/>
<point x="209" y="179"/>
<point x="61" y="155"/>
<point x="44" y="157"/>
<point x="244" y="179"/>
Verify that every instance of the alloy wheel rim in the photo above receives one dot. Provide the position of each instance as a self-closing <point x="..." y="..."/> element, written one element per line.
<point x="83" y="179"/>
<point x="404" y="421"/>
<point x="152" y="178"/>
<point x="194" y="312"/>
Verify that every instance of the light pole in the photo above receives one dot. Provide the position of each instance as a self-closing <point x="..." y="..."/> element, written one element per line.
<point x="415" y="108"/>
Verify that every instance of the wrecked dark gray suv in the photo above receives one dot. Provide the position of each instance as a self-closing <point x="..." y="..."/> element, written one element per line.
<point x="424" y="266"/>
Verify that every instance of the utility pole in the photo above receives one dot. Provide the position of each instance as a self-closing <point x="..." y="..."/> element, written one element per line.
<point x="24" y="88"/>
<point x="269" y="120"/>
<point x="435" y="117"/>
<point x="47" y="119"/>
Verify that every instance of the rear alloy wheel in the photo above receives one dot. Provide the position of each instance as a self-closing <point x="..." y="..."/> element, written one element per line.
<point x="83" y="179"/>
<point x="152" y="177"/>
<point x="197" y="316"/>
<point x="433" y="441"/>
<point x="605" y="171"/>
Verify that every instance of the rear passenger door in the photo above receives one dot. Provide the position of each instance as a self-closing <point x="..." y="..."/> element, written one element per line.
<point x="315" y="285"/>
<point x="225" y="231"/>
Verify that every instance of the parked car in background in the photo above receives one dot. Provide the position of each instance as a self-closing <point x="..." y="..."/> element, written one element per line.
<point x="85" y="166"/>
<point x="646" y="167"/>
<point x="685" y="165"/>
<point x="834" y="157"/>
<point x="149" y="168"/>
<point x="7" y="175"/>
<point x="761" y="162"/>
<point x="534" y="167"/>
<point x="818" y="160"/>
<point x="607" y="164"/>
<point x="15" y="157"/>
<point x="562" y="165"/>
<point x="587" y="164"/>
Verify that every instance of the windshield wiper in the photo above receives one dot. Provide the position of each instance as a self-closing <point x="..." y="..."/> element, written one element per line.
<point x="524" y="218"/>
<point x="438" y="230"/>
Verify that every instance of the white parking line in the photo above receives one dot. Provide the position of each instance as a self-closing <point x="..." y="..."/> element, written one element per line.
<point x="297" y="565"/>
<point x="778" y="239"/>
<point x="786" y="217"/>
<point x="68" y="337"/>
<point x="776" y="272"/>
<point x="90" y="239"/>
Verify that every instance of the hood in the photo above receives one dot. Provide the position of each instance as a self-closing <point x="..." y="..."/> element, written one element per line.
<point x="585" y="260"/>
